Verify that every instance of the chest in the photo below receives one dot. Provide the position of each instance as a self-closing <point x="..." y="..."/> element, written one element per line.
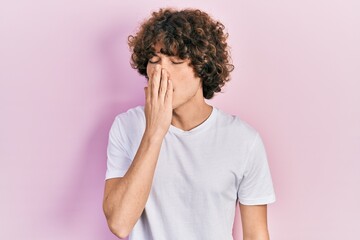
<point x="197" y="171"/>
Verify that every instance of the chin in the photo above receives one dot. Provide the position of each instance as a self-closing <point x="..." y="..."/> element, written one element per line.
<point x="175" y="105"/>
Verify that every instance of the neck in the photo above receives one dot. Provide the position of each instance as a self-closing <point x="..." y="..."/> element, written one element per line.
<point x="189" y="116"/>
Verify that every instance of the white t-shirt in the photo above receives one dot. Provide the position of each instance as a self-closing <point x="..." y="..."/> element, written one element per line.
<point x="200" y="175"/>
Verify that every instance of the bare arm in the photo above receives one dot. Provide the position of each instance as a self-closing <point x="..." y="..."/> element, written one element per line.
<point x="125" y="198"/>
<point x="254" y="222"/>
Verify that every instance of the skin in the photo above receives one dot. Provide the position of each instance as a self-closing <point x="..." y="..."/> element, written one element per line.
<point x="254" y="222"/>
<point x="188" y="104"/>
<point x="125" y="197"/>
<point x="173" y="97"/>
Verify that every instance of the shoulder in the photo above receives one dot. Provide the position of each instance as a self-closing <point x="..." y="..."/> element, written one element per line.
<point x="132" y="121"/>
<point x="237" y="125"/>
<point x="132" y="115"/>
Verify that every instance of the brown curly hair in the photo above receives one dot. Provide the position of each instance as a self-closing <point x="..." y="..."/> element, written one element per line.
<point x="188" y="34"/>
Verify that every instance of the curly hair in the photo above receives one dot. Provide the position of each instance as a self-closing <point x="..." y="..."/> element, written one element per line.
<point x="188" y="34"/>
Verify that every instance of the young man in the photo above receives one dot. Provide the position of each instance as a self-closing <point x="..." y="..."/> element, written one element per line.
<point x="177" y="167"/>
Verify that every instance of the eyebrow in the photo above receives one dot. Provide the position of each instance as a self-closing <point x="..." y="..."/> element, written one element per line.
<point x="162" y="52"/>
<point x="156" y="54"/>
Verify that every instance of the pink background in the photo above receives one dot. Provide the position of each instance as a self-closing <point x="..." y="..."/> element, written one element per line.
<point x="65" y="74"/>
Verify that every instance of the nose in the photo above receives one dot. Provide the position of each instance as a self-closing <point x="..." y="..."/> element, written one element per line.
<point x="162" y="65"/>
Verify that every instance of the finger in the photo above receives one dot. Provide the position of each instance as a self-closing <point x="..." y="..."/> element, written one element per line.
<point x="163" y="84"/>
<point x="155" y="82"/>
<point x="150" y="81"/>
<point x="146" y="94"/>
<point x="169" y="92"/>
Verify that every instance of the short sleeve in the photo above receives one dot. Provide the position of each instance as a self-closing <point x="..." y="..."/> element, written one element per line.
<point x="118" y="161"/>
<point x="256" y="185"/>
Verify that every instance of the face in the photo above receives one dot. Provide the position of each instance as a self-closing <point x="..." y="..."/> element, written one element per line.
<point x="187" y="87"/>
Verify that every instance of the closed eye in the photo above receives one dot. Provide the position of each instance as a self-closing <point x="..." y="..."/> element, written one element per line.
<point x="153" y="62"/>
<point x="174" y="60"/>
<point x="156" y="61"/>
<point x="177" y="62"/>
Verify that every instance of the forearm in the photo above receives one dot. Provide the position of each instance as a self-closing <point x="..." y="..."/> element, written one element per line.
<point x="254" y="222"/>
<point x="125" y="203"/>
<point x="258" y="235"/>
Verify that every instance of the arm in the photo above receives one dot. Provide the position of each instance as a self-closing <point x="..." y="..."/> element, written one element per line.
<point x="125" y="197"/>
<point x="254" y="222"/>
